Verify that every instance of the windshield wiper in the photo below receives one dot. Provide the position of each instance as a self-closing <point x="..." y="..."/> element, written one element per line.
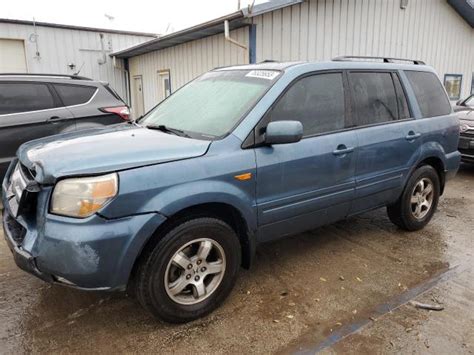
<point x="166" y="129"/>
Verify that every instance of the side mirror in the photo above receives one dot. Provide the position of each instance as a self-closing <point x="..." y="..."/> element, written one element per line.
<point x="459" y="102"/>
<point x="282" y="132"/>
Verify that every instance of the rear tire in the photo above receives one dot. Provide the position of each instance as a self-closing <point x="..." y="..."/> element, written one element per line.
<point x="190" y="271"/>
<point x="419" y="200"/>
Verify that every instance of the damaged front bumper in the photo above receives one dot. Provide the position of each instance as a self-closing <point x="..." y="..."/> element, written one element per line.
<point x="23" y="259"/>
<point x="94" y="253"/>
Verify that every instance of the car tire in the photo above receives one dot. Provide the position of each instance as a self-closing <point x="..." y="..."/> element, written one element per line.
<point x="419" y="200"/>
<point x="179" y="279"/>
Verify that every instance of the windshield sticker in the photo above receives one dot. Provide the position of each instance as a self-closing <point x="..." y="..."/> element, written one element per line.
<point x="263" y="74"/>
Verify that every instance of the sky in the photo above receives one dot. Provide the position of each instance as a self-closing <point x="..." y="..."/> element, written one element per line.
<point x="154" y="16"/>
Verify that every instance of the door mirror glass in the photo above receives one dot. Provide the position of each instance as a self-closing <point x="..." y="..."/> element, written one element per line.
<point x="283" y="132"/>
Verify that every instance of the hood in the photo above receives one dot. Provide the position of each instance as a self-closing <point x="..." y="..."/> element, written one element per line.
<point x="104" y="150"/>
<point x="466" y="114"/>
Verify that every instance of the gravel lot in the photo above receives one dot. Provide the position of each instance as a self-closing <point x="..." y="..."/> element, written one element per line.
<point x="338" y="289"/>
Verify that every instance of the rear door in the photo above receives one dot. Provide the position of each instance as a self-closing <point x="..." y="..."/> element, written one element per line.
<point x="389" y="138"/>
<point x="28" y="110"/>
<point x="90" y="104"/>
<point x="309" y="183"/>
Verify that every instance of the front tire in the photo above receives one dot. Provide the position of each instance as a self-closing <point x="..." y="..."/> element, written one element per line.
<point x="190" y="271"/>
<point x="419" y="200"/>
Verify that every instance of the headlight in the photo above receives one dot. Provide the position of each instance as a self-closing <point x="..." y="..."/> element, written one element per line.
<point x="82" y="197"/>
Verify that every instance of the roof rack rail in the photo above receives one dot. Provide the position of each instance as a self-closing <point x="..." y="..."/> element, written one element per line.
<point x="348" y="58"/>
<point x="75" y="77"/>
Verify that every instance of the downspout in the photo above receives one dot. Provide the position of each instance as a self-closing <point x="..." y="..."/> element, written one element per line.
<point x="125" y="70"/>
<point x="253" y="43"/>
<point x="231" y="40"/>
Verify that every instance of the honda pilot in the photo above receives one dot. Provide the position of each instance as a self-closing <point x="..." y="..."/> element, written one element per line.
<point x="171" y="206"/>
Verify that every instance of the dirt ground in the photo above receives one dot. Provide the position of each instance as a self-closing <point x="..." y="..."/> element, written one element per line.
<point x="344" y="288"/>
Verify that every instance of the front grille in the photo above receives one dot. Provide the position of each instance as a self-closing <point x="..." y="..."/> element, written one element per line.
<point x="468" y="134"/>
<point x="22" y="191"/>
<point x="27" y="173"/>
<point x="16" y="230"/>
<point x="466" y="151"/>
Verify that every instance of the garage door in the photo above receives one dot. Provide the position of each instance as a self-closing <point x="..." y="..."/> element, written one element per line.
<point x="13" y="59"/>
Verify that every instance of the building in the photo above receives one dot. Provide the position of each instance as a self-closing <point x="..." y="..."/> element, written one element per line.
<point x="439" y="32"/>
<point x="38" y="47"/>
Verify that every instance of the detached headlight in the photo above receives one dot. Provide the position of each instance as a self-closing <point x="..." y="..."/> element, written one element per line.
<point x="82" y="197"/>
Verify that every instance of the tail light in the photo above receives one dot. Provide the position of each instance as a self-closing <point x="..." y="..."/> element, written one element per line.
<point x="122" y="111"/>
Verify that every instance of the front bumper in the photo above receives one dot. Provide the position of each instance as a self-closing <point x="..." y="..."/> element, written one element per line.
<point x="94" y="253"/>
<point x="466" y="146"/>
<point x="23" y="259"/>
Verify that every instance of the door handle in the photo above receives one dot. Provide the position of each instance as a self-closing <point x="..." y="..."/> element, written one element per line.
<point x="412" y="136"/>
<point x="342" y="150"/>
<point x="54" y="118"/>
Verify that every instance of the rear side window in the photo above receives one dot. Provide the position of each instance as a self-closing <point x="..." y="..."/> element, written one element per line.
<point x="374" y="97"/>
<point x="429" y="93"/>
<point x="24" y="97"/>
<point x="74" y="94"/>
<point x="316" y="101"/>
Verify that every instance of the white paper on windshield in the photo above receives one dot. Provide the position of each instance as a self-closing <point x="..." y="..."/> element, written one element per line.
<point x="262" y="74"/>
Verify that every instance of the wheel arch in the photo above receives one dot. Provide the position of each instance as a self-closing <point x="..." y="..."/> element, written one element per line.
<point x="223" y="211"/>
<point x="438" y="164"/>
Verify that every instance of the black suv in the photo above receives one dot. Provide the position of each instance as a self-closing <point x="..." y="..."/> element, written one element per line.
<point x="38" y="105"/>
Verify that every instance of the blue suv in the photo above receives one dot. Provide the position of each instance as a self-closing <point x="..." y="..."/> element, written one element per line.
<point x="169" y="207"/>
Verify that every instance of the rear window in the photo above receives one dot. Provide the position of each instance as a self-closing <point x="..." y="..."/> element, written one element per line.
<point x="375" y="99"/>
<point x="24" y="97"/>
<point x="113" y="92"/>
<point x="429" y="93"/>
<point x="74" y="94"/>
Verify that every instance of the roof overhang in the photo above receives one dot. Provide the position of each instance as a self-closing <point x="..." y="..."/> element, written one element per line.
<point x="465" y="8"/>
<point x="210" y="28"/>
<point x="72" y="27"/>
<point x="236" y="20"/>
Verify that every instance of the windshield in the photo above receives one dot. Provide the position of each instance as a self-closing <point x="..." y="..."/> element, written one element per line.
<point x="470" y="101"/>
<point x="210" y="106"/>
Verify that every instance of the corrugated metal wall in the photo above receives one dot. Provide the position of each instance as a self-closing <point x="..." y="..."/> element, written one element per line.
<point x="187" y="61"/>
<point x="430" y="30"/>
<point x="58" y="47"/>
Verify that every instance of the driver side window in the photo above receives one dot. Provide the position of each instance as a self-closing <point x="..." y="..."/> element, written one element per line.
<point x="317" y="101"/>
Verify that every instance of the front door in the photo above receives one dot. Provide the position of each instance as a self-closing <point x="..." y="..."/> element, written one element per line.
<point x="138" y="104"/>
<point x="310" y="183"/>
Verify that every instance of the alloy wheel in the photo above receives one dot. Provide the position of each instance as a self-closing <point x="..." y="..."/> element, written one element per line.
<point x="422" y="198"/>
<point x="195" y="271"/>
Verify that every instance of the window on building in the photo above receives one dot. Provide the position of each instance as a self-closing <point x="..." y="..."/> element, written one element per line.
<point x="374" y="97"/>
<point x="24" y="97"/>
<point x="429" y="93"/>
<point x="316" y="101"/>
<point x="74" y="94"/>
<point x="452" y="83"/>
